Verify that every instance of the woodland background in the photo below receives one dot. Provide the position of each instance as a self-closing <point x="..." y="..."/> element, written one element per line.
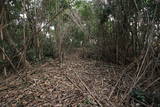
<point x="124" y="34"/>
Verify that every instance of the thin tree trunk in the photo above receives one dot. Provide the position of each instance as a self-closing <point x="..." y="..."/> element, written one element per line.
<point x="58" y="34"/>
<point x="24" y="45"/>
<point x="24" y="38"/>
<point x="3" y="56"/>
<point x="37" y="46"/>
<point x="2" y="39"/>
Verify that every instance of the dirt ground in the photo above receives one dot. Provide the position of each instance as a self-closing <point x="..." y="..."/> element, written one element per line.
<point x="75" y="83"/>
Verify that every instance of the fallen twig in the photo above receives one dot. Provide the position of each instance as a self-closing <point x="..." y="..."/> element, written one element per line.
<point x="123" y="73"/>
<point x="14" y="68"/>
<point x="73" y="82"/>
<point x="98" y="102"/>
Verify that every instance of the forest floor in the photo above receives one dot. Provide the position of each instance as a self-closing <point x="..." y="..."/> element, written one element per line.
<point x="75" y="83"/>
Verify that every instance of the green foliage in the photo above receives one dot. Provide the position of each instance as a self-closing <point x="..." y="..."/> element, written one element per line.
<point x="14" y="7"/>
<point x="63" y="4"/>
<point x="147" y="1"/>
<point x="84" y="8"/>
<point x="94" y="15"/>
<point x="31" y="55"/>
<point x="139" y="95"/>
<point x="146" y="97"/>
<point x="49" y="49"/>
<point x="77" y="37"/>
<point x="1" y="43"/>
<point x="1" y="62"/>
<point x="87" y="101"/>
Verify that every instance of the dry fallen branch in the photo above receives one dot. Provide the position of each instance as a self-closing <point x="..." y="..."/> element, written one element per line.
<point x="73" y="82"/>
<point x="152" y="83"/>
<point x="98" y="102"/>
<point x="14" y="68"/>
<point x="123" y="73"/>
